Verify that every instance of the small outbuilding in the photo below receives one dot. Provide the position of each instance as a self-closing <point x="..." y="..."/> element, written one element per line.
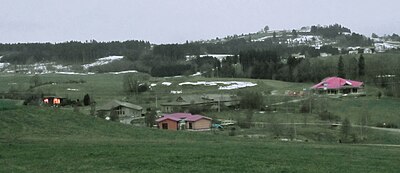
<point x="182" y="121"/>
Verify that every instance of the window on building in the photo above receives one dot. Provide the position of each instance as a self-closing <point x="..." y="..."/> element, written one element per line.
<point x="164" y="125"/>
<point x="120" y="111"/>
<point x="56" y="101"/>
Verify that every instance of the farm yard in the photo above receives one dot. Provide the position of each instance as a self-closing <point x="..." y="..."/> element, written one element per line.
<point x="279" y="138"/>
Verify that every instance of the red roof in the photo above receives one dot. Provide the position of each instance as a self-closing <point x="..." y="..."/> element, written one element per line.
<point x="179" y="116"/>
<point x="336" y="83"/>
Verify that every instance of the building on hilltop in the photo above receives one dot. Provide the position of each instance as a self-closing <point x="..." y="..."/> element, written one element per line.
<point x="337" y="85"/>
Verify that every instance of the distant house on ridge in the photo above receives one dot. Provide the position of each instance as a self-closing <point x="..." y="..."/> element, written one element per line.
<point x="337" y="85"/>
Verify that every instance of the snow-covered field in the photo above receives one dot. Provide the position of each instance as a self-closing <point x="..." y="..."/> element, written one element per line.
<point x="227" y="85"/>
<point x="73" y="73"/>
<point x="52" y="67"/>
<point x="102" y="61"/>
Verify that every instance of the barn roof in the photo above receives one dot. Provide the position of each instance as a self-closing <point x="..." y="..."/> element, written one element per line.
<point x="180" y="116"/>
<point x="116" y="103"/>
<point x="336" y="83"/>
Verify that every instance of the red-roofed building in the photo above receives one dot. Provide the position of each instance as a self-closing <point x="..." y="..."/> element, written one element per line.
<point x="337" y="85"/>
<point x="181" y="121"/>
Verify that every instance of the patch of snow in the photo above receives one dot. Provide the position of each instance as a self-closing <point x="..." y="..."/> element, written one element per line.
<point x="166" y="83"/>
<point x="72" y="73"/>
<point x="230" y="84"/>
<point x="153" y="85"/>
<point x="102" y="61"/>
<point x="176" y="92"/>
<point x="386" y="76"/>
<point x="172" y="77"/>
<point x="2" y="65"/>
<point x="196" y="74"/>
<point x="72" y="89"/>
<point x="60" y="67"/>
<point x="124" y="72"/>
<point x="262" y="38"/>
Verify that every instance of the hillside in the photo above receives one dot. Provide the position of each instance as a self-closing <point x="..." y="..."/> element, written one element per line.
<point x="157" y="59"/>
<point x="48" y="140"/>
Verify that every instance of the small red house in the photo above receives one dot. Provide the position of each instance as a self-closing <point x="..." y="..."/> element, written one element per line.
<point x="182" y="121"/>
<point x="337" y="85"/>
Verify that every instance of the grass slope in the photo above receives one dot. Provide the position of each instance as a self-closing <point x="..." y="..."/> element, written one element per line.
<point x="54" y="140"/>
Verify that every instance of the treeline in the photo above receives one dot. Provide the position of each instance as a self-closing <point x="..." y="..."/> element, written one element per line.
<point x="331" y="31"/>
<point x="337" y="31"/>
<point x="72" y="52"/>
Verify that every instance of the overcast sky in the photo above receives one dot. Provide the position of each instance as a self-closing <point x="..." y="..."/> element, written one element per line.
<point x="171" y="21"/>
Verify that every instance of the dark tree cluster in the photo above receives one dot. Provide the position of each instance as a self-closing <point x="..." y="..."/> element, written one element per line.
<point x="169" y="70"/>
<point x="260" y="64"/>
<point x="330" y="31"/>
<point x="72" y="52"/>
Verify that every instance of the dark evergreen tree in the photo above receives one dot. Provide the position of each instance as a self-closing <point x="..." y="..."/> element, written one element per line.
<point x="345" y="129"/>
<point x="150" y="118"/>
<point x="341" y="68"/>
<point x="361" y="66"/>
<point x="86" y="100"/>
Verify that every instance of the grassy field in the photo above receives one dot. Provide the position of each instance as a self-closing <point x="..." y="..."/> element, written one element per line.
<point x="36" y="139"/>
<point x="105" y="87"/>
<point x="41" y="139"/>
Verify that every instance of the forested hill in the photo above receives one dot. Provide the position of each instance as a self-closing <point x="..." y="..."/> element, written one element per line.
<point x="72" y="52"/>
<point x="284" y="42"/>
<point x="265" y="54"/>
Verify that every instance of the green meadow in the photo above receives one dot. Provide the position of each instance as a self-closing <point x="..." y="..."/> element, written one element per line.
<point x="46" y="139"/>
<point x="54" y="140"/>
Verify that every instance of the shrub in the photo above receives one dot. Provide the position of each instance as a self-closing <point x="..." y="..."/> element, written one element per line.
<point x="251" y="100"/>
<point x="232" y="132"/>
<point x="101" y="114"/>
<point x="328" y="116"/>
<point x="86" y="100"/>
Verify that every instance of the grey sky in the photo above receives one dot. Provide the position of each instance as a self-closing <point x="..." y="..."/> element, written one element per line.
<point x="170" y="21"/>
